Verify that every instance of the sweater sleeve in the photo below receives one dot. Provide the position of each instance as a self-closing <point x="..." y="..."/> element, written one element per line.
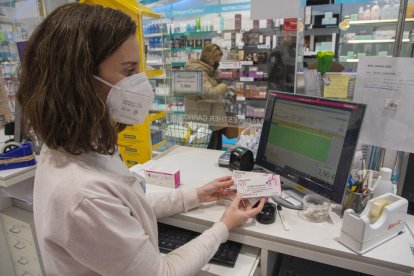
<point x="105" y="238"/>
<point x="217" y="90"/>
<point x="167" y="204"/>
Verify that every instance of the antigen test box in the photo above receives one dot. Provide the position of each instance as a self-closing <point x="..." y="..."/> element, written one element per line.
<point x="163" y="177"/>
<point x="253" y="184"/>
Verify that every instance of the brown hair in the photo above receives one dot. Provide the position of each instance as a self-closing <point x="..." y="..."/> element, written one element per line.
<point x="58" y="98"/>
<point x="210" y="54"/>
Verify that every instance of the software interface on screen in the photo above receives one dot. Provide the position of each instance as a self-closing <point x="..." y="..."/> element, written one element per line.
<point x="307" y="139"/>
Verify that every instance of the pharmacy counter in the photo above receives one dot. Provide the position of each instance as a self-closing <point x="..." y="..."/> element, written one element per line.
<point x="307" y="240"/>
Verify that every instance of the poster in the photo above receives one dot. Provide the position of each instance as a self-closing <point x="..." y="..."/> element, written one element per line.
<point x="337" y="88"/>
<point x="386" y="85"/>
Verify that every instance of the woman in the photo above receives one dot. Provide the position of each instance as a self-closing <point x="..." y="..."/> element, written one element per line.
<point x="212" y="103"/>
<point x="79" y="74"/>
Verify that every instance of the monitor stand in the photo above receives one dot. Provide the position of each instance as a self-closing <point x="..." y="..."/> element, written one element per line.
<point x="290" y="198"/>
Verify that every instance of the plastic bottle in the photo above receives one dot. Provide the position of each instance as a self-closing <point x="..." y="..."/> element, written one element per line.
<point x="367" y="13"/>
<point x="395" y="10"/>
<point x="383" y="184"/>
<point x="386" y="11"/>
<point x="375" y="11"/>
<point x="361" y="13"/>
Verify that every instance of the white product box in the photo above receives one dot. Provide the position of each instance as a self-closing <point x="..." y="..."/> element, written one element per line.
<point x="163" y="177"/>
<point x="253" y="184"/>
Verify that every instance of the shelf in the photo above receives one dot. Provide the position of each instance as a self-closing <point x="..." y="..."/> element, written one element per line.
<point x="362" y="22"/>
<point x="179" y="63"/>
<point x="250" y="99"/>
<point x="250" y="79"/>
<point x="13" y="176"/>
<point x="186" y="49"/>
<point x="310" y="54"/>
<point x="159" y="145"/>
<point x="352" y="60"/>
<point x="158" y="49"/>
<point x="321" y="31"/>
<point x="159" y="78"/>
<point x="158" y="63"/>
<point x="155" y="35"/>
<point x="193" y="33"/>
<point x="156" y="116"/>
<point x="367" y="41"/>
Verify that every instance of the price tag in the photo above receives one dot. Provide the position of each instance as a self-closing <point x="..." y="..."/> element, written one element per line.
<point x="187" y="81"/>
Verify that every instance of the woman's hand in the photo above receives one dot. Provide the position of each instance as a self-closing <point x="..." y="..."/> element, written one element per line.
<point x="216" y="189"/>
<point x="240" y="211"/>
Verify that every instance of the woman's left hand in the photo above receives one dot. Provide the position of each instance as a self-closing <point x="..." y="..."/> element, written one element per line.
<point x="216" y="189"/>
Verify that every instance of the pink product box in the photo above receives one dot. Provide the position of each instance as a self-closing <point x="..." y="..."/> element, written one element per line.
<point x="252" y="72"/>
<point x="163" y="177"/>
<point x="249" y="111"/>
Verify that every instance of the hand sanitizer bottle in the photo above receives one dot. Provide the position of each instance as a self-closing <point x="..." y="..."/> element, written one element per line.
<point x="383" y="184"/>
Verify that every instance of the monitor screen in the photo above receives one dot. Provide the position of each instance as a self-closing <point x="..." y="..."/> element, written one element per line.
<point x="310" y="141"/>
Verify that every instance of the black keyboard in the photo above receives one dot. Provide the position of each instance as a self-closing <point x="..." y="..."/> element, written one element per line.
<point x="171" y="237"/>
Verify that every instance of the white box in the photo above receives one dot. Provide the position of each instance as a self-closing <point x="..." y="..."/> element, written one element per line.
<point x="163" y="177"/>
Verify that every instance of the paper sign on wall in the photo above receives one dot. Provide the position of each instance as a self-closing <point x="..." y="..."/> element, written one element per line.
<point x="386" y="86"/>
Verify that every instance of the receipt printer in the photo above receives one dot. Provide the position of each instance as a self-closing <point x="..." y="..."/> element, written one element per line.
<point x="241" y="159"/>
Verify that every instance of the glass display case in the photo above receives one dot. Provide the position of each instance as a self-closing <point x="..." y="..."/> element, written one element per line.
<point x="369" y="29"/>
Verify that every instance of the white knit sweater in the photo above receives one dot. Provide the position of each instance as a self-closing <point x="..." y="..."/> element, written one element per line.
<point x="92" y="217"/>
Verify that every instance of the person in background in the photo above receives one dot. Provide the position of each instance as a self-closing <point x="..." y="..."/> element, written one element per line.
<point x="211" y="103"/>
<point x="79" y="85"/>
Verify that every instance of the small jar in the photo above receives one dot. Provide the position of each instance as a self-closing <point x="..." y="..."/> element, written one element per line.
<point x="315" y="208"/>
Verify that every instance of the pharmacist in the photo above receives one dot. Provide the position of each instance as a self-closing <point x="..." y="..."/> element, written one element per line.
<point x="91" y="214"/>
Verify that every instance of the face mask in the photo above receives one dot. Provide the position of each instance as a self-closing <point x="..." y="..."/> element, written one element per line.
<point x="216" y="65"/>
<point x="130" y="99"/>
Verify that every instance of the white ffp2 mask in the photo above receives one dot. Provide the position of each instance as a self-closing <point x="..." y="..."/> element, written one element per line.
<point x="130" y="99"/>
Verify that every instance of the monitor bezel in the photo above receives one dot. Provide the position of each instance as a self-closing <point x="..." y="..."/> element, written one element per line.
<point x="333" y="192"/>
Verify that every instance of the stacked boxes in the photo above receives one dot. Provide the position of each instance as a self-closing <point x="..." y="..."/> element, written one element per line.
<point x="134" y="144"/>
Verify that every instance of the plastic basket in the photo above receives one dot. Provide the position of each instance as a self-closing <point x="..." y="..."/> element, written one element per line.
<point x="190" y="134"/>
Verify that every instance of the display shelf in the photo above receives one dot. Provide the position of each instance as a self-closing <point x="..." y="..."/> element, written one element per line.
<point x="178" y="63"/>
<point x="156" y="116"/>
<point x="186" y="49"/>
<point x="363" y="22"/>
<point x="250" y="79"/>
<point x="13" y="176"/>
<point x="158" y="63"/>
<point x="352" y="60"/>
<point x="368" y="41"/>
<point x="310" y="54"/>
<point x="241" y="99"/>
<point x="158" y="49"/>
<point x="194" y="33"/>
<point x="155" y="35"/>
<point x="163" y="77"/>
<point x="159" y="145"/>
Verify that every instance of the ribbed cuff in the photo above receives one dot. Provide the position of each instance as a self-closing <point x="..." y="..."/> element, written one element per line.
<point x="220" y="231"/>
<point x="190" y="199"/>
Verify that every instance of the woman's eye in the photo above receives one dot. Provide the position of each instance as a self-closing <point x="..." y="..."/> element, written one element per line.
<point x="131" y="72"/>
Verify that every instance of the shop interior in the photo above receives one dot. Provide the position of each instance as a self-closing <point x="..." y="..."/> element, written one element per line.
<point x="298" y="102"/>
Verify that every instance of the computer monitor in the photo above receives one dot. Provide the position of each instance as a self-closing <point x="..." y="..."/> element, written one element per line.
<point x="310" y="141"/>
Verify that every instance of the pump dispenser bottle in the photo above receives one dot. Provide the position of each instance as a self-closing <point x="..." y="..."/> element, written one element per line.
<point x="383" y="184"/>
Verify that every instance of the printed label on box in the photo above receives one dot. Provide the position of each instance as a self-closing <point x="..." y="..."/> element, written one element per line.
<point x="253" y="184"/>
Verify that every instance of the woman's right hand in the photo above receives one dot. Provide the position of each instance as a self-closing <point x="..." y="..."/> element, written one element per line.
<point x="240" y="211"/>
